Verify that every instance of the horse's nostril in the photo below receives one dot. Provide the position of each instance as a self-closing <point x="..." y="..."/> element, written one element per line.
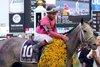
<point x="94" y="44"/>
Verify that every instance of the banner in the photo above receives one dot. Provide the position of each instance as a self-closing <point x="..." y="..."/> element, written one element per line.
<point x="95" y="15"/>
<point x="16" y="22"/>
<point x="16" y="16"/>
<point x="95" y="5"/>
<point x="16" y="6"/>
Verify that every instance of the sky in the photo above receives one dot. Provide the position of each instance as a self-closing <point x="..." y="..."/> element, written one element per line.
<point x="50" y="1"/>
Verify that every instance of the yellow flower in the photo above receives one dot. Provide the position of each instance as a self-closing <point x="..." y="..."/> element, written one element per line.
<point x="54" y="54"/>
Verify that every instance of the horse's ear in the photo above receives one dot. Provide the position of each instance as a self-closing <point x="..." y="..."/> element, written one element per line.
<point x="89" y="22"/>
<point x="82" y="20"/>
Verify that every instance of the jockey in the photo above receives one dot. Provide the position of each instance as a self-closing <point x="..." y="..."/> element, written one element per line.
<point x="47" y="29"/>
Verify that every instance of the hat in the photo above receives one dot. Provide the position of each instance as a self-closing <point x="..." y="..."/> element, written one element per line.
<point x="51" y="9"/>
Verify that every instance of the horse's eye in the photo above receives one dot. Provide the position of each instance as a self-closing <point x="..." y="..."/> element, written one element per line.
<point x="84" y="30"/>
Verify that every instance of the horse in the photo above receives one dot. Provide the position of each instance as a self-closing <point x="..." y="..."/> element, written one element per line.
<point x="10" y="48"/>
<point x="82" y="34"/>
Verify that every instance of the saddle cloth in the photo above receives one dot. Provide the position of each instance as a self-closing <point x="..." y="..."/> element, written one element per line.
<point x="27" y="54"/>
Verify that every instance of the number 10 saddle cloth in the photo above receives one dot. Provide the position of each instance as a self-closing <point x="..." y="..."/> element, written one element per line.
<point x="27" y="54"/>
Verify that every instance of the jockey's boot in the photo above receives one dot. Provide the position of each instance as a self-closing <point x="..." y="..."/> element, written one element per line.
<point x="38" y="45"/>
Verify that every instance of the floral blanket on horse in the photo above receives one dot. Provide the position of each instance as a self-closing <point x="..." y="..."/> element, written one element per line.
<point x="27" y="54"/>
<point x="54" y="54"/>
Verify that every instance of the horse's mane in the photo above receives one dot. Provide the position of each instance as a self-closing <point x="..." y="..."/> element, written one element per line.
<point x="67" y="33"/>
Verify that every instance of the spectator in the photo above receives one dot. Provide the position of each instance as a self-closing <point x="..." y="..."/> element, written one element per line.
<point x="95" y="54"/>
<point x="85" y="62"/>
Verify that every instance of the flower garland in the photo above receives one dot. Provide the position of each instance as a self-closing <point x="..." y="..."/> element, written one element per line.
<point x="54" y="54"/>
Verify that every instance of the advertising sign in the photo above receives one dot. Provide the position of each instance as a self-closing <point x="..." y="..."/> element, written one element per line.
<point x="16" y="22"/>
<point x="16" y="15"/>
<point x="95" y="14"/>
<point x="16" y="6"/>
<point x="95" y="5"/>
<point x="75" y="10"/>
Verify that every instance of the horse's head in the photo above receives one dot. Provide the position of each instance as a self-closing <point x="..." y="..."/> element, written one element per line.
<point x="89" y="34"/>
<point x="81" y="34"/>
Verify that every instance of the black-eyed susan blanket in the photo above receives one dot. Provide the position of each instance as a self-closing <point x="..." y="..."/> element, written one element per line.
<point x="54" y="54"/>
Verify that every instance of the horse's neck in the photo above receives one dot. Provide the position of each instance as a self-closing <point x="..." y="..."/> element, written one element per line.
<point x="74" y="39"/>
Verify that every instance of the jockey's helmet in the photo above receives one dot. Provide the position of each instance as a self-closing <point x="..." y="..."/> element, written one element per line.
<point x="52" y="9"/>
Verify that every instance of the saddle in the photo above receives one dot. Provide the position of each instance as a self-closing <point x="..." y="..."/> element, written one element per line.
<point x="27" y="53"/>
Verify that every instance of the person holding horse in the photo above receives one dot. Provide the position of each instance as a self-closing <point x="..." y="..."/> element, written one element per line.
<point x="47" y="29"/>
<point x="85" y="62"/>
<point x="95" y="54"/>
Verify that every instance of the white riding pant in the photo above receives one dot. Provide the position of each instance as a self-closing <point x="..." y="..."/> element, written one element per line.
<point x="40" y="37"/>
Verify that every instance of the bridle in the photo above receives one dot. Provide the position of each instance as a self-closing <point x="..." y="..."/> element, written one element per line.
<point x="81" y="34"/>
